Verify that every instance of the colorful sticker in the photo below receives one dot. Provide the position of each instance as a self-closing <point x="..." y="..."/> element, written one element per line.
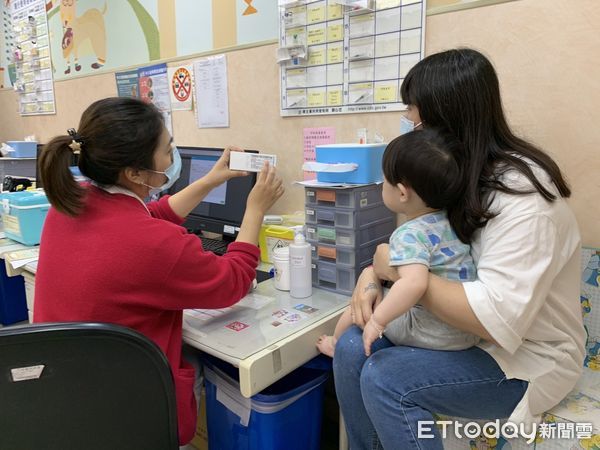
<point x="279" y="313"/>
<point x="237" y="326"/>
<point x="305" y="308"/>
<point x="293" y="318"/>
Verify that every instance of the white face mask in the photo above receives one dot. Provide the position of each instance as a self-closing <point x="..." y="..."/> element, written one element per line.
<point x="407" y="125"/>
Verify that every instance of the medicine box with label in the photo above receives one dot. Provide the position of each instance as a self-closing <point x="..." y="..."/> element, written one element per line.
<point x="251" y="162"/>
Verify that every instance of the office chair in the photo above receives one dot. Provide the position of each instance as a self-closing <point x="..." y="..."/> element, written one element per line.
<point x="101" y="387"/>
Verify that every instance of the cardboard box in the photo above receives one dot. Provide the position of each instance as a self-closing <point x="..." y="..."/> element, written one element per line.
<point x="200" y="440"/>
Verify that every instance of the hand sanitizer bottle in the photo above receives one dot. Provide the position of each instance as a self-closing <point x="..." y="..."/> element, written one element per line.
<point x="300" y="267"/>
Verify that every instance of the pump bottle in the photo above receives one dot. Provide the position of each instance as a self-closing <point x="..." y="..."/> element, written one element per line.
<point x="300" y="267"/>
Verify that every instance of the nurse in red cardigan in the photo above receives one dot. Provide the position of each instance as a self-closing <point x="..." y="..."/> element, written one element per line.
<point x="106" y="256"/>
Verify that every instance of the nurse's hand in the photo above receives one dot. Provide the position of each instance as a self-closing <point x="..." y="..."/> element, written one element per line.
<point x="381" y="263"/>
<point x="266" y="191"/>
<point x="367" y="293"/>
<point x="220" y="172"/>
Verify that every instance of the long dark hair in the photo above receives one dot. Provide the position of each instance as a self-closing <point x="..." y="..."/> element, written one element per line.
<point x="114" y="133"/>
<point x="458" y="90"/>
<point x="424" y="161"/>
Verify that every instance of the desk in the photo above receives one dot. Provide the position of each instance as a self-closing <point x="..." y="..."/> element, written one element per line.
<point x="267" y="334"/>
<point x="262" y="352"/>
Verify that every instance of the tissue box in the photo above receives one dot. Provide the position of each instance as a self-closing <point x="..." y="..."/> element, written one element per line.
<point x="23" y="215"/>
<point x="22" y="149"/>
<point x="367" y="156"/>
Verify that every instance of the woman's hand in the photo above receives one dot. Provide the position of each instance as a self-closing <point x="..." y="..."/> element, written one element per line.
<point x="381" y="263"/>
<point x="220" y="172"/>
<point x="266" y="191"/>
<point x="367" y="293"/>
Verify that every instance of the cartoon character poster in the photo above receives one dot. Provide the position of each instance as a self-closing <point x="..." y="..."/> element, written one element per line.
<point x="88" y="36"/>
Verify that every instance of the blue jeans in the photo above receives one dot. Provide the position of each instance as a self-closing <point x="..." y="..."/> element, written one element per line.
<point x="384" y="396"/>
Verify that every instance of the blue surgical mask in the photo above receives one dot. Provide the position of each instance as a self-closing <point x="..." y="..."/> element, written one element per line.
<point x="172" y="173"/>
<point x="407" y="125"/>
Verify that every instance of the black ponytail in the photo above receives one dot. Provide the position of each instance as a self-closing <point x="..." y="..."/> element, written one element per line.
<point x="63" y="191"/>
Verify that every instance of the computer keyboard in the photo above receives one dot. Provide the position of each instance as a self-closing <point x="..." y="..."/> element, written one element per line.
<point x="217" y="246"/>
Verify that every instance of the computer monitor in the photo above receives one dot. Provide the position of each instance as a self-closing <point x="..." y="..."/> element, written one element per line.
<point x="222" y="210"/>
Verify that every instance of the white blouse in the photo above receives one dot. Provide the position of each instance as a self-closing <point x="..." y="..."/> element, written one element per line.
<point x="527" y="293"/>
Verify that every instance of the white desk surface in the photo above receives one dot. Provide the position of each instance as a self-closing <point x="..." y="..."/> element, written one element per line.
<point x="267" y="334"/>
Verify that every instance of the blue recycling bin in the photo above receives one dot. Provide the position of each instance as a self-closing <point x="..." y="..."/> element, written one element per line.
<point x="286" y="415"/>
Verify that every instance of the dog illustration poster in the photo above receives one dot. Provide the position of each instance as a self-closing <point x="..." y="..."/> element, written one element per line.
<point x="88" y="36"/>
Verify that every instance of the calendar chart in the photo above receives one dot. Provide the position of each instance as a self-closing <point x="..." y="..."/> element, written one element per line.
<point x="347" y="56"/>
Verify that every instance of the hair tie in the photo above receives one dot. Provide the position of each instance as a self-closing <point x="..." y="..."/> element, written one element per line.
<point x="77" y="141"/>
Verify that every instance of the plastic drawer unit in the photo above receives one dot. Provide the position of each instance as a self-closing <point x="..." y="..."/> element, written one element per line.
<point x="350" y="256"/>
<point x="346" y="218"/>
<point x="351" y="198"/>
<point x="336" y="277"/>
<point x="324" y="234"/>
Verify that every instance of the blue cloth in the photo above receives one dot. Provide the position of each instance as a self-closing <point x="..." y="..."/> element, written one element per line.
<point x="383" y="397"/>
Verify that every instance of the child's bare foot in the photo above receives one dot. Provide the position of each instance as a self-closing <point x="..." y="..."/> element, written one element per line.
<point x="326" y="345"/>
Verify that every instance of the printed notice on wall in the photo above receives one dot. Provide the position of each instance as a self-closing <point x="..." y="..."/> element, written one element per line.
<point x="347" y="58"/>
<point x="312" y="138"/>
<point x="212" y="100"/>
<point x="128" y="84"/>
<point x="154" y="88"/>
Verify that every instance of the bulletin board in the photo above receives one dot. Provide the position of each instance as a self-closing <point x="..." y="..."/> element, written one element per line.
<point x="356" y="57"/>
<point x="31" y="54"/>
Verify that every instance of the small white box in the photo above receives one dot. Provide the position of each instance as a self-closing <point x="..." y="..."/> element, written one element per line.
<point x="251" y="162"/>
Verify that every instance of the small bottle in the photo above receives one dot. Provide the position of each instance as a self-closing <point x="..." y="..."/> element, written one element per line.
<point x="300" y="267"/>
<point x="281" y="261"/>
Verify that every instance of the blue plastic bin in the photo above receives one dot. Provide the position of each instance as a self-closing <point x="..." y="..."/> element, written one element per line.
<point x="23" y="215"/>
<point x="22" y="149"/>
<point x="367" y="156"/>
<point x="13" y="305"/>
<point x="286" y="415"/>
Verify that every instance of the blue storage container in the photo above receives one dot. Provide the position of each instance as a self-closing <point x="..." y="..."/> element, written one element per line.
<point x="13" y="304"/>
<point x="23" y="215"/>
<point x="367" y="157"/>
<point x="22" y="149"/>
<point x="286" y="415"/>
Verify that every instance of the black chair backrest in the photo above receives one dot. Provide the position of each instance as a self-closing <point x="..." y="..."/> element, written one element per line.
<point x="101" y="387"/>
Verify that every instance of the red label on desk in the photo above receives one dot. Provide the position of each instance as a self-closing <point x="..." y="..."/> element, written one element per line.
<point x="237" y="326"/>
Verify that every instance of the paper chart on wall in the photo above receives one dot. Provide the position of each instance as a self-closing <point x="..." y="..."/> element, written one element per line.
<point x="212" y="99"/>
<point x="31" y="54"/>
<point x="356" y="57"/>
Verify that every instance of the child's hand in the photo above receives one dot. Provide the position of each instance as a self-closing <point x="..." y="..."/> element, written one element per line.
<point x="371" y="333"/>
